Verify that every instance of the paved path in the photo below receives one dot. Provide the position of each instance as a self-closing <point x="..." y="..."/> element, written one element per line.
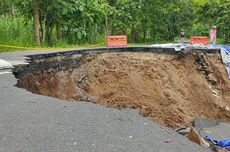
<point x="19" y="57"/>
<point x="34" y="123"/>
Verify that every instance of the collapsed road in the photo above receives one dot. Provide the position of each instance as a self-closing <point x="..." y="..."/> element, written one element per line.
<point x="31" y="122"/>
<point x="171" y="88"/>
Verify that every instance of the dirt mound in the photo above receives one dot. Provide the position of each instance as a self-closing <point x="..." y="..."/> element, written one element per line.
<point x="170" y="89"/>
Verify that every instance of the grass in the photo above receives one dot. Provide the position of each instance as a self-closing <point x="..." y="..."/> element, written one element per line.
<point x="65" y="47"/>
<point x="7" y="50"/>
<point x="17" y="31"/>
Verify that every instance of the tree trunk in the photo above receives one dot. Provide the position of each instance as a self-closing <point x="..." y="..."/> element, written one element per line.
<point x="133" y="33"/>
<point x="107" y="32"/>
<point x="95" y="33"/>
<point x="145" y="35"/>
<point x="44" y="28"/>
<point x="58" y="30"/>
<point x="49" y="28"/>
<point x="84" y="39"/>
<point x="49" y="35"/>
<point x="13" y="9"/>
<point x="106" y="29"/>
<point x="36" y="21"/>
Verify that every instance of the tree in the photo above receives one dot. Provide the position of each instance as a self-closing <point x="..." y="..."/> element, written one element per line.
<point x="36" y="21"/>
<point x="223" y="20"/>
<point x="86" y="21"/>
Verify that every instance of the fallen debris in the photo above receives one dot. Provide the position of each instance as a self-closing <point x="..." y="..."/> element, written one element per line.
<point x="194" y="136"/>
<point x="169" y="140"/>
<point x="207" y="133"/>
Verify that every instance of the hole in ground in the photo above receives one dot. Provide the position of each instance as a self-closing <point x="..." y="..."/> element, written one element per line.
<point x="170" y="89"/>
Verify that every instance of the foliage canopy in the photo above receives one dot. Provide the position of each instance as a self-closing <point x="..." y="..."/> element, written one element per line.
<point x="88" y="21"/>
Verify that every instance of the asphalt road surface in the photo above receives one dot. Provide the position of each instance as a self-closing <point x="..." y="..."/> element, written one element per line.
<point x="34" y="123"/>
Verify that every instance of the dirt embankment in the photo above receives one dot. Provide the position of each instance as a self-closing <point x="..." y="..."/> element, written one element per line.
<point x="170" y="89"/>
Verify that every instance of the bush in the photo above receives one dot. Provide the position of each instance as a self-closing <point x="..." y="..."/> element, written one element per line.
<point x="17" y="31"/>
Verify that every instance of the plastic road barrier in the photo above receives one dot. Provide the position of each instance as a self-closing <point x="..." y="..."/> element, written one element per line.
<point x="203" y="40"/>
<point x="116" y="41"/>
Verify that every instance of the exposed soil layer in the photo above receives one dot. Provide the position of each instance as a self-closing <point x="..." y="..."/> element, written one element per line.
<point x="170" y="89"/>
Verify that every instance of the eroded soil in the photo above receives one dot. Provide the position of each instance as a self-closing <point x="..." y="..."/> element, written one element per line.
<point x="170" y="89"/>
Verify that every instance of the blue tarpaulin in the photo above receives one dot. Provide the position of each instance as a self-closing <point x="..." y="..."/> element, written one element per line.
<point x="220" y="143"/>
<point x="227" y="48"/>
<point x="225" y="55"/>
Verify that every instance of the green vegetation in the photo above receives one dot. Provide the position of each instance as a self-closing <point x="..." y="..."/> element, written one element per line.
<point x="16" y="31"/>
<point x="61" y="23"/>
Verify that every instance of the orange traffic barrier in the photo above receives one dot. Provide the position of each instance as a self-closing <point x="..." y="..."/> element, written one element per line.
<point x="203" y="40"/>
<point x="116" y="41"/>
